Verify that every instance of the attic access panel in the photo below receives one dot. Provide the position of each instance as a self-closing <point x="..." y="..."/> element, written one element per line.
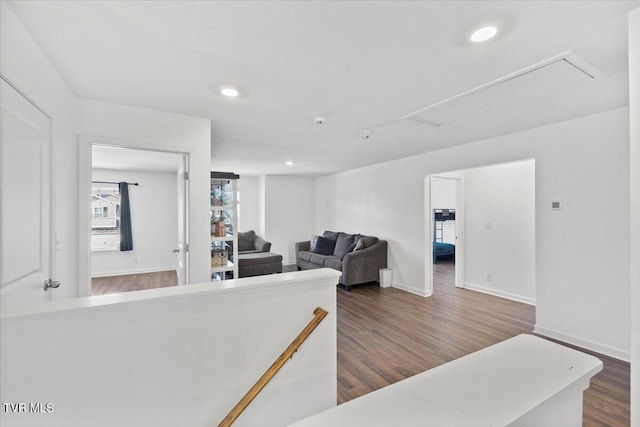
<point x="549" y="76"/>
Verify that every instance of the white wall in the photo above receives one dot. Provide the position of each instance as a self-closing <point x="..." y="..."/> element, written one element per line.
<point x="25" y="65"/>
<point x="582" y="283"/>
<point x="179" y="356"/>
<point x="289" y="217"/>
<point x="249" y="218"/>
<point x="499" y="208"/>
<point x="133" y="127"/>
<point x="154" y="218"/>
<point x="634" y="103"/>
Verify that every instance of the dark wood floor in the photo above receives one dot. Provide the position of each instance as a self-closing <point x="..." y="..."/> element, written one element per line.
<point x="133" y="282"/>
<point x="386" y="335"/>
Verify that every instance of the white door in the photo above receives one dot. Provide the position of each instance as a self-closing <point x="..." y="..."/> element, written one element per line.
<point x="182" y="251"/>
<point x="25" y="152"/>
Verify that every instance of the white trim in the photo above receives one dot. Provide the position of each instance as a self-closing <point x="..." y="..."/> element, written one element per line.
<point x="501" y="294"/>
<point x="289" y="262"/>
<point x="134" y="271"/>
<point x="616" y="353"/>
<point x="411" y="289"/>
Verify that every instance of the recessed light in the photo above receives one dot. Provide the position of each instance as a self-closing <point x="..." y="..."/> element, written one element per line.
<point x="289" y="163"/>
<point x="483" y="34"/>
<point x="229" y="91"/>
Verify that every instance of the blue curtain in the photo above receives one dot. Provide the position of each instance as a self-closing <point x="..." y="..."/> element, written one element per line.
<point x="126" y="239"/>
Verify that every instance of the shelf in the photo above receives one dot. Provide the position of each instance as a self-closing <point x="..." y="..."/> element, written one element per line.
<point x="223" y="206"/>
<point x="222" y="269"/>
<point x="226" y="238"/>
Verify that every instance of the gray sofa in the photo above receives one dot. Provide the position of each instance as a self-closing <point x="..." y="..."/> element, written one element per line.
<point x="358" y="257"/>
<point x="254" y="258"/>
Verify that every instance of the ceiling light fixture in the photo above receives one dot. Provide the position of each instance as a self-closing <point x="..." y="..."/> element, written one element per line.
<point x="483" y="34"/>
<point x="229" y="92"/>
<point x="289" y="163"/>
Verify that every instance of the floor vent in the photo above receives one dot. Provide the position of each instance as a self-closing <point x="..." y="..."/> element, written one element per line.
<point x="552" y="75"/>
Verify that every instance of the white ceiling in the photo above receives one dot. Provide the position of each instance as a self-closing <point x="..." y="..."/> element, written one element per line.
<point x="361" y="64"/>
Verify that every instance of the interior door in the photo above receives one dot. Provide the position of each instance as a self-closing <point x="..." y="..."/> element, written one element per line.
<point x="182" y="251"/>
<point x="25" y="151"/>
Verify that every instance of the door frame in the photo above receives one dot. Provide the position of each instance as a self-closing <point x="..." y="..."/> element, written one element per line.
<point x="85" y="144"/>
<point x="428" y="235"/>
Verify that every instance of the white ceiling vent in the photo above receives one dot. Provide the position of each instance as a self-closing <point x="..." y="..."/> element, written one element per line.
<point x="549" y="76"/>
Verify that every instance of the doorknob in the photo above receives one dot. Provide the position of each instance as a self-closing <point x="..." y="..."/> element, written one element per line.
<point x="175" y="251"/>
<point x="51" y="284"/>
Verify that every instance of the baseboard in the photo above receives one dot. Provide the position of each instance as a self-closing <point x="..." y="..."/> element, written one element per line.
<point x="134" y="271"/>
<point x="410" y="289"/>
<point x="496" y="293"/>
<point x="288" y="262"/>
<point x="616" y="353"/>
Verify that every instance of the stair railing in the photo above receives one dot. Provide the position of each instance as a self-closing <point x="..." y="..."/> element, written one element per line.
<point x="319" y="314"/>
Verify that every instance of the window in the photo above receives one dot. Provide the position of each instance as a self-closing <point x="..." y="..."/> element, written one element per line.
<point x="105" y="218"/>
<point x="100" y="211"/>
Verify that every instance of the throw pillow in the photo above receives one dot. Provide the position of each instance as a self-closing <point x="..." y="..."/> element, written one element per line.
<point x="245" y="240"/>
<point x="359" y="245"/>
<point x="367" y="241"/>
<point x="322" y="246"/>
<point x="342" y="244"/>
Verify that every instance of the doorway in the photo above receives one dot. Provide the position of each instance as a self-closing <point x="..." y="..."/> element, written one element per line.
<point x="138" y="220"/>
<point x="446" y="225"/>
<point x="491" y="223"/>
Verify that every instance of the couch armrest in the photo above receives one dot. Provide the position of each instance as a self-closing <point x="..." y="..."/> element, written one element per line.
<point x="363" y="266"/>
<point x="261" y="245"/>
<point x="302" y="246"/>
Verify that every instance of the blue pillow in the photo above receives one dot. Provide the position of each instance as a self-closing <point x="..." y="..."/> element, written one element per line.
<point x="322" y="246"/>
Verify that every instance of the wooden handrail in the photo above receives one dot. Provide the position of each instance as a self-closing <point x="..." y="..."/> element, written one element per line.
<point x="319" y="314"/>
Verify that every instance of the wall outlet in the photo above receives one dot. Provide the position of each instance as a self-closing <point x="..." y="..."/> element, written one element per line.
<point x="489" y="277"/>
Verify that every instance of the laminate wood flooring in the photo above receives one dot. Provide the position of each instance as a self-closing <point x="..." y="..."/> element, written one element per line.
<point x="133" y="282"/>
<point x="386" y="335"/>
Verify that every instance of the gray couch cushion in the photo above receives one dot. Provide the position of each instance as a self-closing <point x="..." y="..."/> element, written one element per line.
<point x="334" y="263"/>
<point x="258" y="258"/>
<point x="245" y="240"/>
<point x="305" y="255"/>
<point x="320" y="259"/>
<point x="333" y="235"/>
<point x="342" y="244"/>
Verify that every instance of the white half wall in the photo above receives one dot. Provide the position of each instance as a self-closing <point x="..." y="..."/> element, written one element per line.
<point x="178" y="356"/>
<point x="113" y="124"/>
<point x="499" y="217"/>
<point x="154" y="218"/>
<point x="582" y="280"/>
<point x="26" y="66"/>
<point x="634" y="112"/>
<point x="289" y="214"/>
